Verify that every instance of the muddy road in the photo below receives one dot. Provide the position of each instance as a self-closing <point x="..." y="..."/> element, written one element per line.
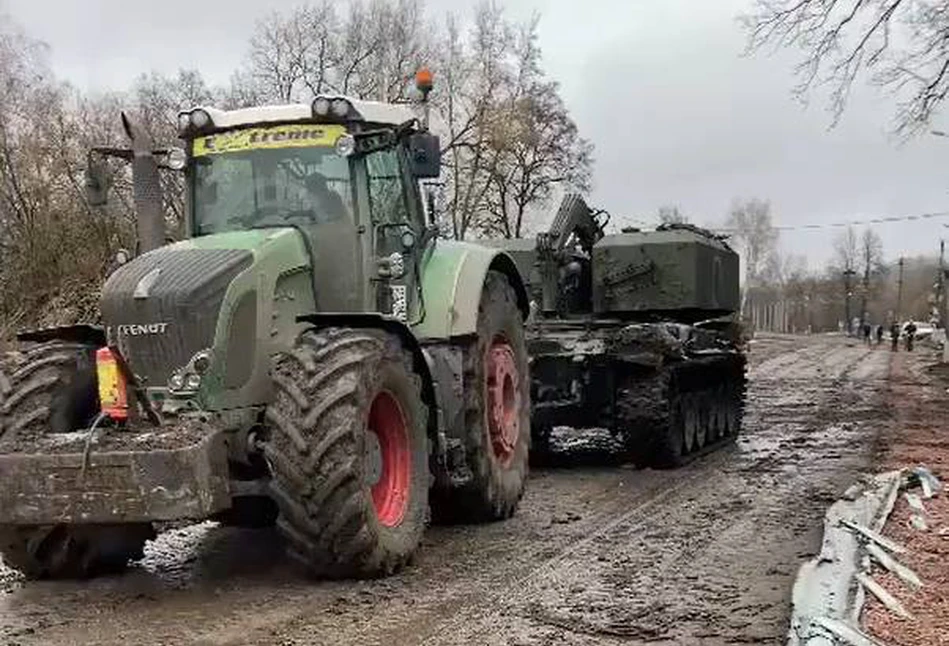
<point x="596" y="555"/>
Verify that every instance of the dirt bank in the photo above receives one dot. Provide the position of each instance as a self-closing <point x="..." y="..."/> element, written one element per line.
<point x="917" y="396"/>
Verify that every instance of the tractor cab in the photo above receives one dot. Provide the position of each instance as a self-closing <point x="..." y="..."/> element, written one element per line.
<point x="344" y="173"/>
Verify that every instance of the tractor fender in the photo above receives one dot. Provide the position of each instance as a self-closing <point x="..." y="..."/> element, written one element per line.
<point x="88" y="334"/>
<point x="453" y="275"/>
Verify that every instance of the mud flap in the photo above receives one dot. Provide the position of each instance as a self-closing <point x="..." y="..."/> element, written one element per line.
<point x="115" y="486"/>
<point x="445" y="364"/>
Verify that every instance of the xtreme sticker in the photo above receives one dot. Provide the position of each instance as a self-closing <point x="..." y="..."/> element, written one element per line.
<point x="287" y="136"/>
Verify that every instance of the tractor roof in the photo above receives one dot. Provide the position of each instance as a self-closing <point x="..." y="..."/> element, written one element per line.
<point x="376" y="112"/>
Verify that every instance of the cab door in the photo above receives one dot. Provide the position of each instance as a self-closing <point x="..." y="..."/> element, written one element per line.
<point x="395" y="229"/>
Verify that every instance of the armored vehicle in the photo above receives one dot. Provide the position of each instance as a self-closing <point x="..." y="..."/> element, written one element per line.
<point x="634" y="332"/>
<point x="311" y="355"/>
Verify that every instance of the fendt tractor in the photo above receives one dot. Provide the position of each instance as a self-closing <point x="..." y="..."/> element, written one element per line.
<point x="635" y="333"/>
<point x="310" y="355"/>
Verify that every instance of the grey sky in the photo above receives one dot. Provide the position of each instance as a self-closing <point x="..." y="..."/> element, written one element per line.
<point x="677" y="116"/>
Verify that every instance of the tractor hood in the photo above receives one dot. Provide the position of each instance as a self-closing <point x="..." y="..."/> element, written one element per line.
<point x="164" y="306"/>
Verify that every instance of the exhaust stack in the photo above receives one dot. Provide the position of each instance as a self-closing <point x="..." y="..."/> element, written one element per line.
<point x="146" y="185"/>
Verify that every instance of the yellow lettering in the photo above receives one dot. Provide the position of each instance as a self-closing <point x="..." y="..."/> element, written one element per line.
<point x="267" y="137"/>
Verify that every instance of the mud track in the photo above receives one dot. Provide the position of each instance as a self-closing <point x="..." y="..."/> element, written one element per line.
<point x="596" y="555"/>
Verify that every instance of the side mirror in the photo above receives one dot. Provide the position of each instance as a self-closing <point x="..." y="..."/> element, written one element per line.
<point x="425" y="155"/>
<point x="96" y="185"/>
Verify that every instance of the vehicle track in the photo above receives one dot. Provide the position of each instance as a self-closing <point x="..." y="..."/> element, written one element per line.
<point x="596" y="555"/>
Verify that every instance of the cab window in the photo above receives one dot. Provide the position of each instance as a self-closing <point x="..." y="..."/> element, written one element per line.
<point x="387" y="198"/>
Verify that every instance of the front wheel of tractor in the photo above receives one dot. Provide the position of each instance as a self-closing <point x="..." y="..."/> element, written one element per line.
<point x="348" y="451"/>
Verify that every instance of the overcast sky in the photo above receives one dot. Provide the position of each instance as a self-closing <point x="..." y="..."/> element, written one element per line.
<point x="659" y="86"/>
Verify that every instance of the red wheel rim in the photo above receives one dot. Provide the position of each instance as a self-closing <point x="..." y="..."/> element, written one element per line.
<point x="390" y="492"/>
<point x="504" y="400"/>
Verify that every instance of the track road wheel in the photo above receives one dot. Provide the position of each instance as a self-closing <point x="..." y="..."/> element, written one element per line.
<point x="73" y="551"/>
<point x="733" y="412"/>
<point x="348" y="450"/>
<point x="670" y="441"/>
<point x="720" y="403"/>
<point x="703" y="419"/>
<point x="51" y="389"/>
<point x="497" y="413"/>
<point x="691" y="406"/>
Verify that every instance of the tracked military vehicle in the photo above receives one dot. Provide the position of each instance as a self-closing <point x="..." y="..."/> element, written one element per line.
<point x="633" y="332"/>
<point x="311" y="355"/>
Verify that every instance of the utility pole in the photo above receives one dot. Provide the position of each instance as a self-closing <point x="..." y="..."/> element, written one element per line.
<point x="944" y="309"/>
<point x="899" y="293"/>
<point x="941" y="282"/>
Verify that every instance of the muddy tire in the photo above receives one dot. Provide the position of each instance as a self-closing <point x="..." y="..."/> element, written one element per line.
<point x="342" y="397"/>
<point x="73" y="551"/>
<point x="51" y="389"/>
<point x="252" y="512"/>
<point x="497" y="413"/>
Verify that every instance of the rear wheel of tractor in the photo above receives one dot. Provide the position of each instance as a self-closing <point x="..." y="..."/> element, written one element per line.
<point x="51" y="388"/>
<point x="348" y="451"/>
<point x="73" y="551"/>
<point x="497" y="413"/>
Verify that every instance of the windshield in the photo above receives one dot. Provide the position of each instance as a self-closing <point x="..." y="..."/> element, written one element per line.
<point x="272" y="176"/>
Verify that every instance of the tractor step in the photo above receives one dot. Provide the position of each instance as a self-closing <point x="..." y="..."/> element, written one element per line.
<point x="115" y="483"/>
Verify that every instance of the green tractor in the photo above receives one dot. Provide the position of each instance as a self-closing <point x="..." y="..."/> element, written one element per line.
<point x="311" y="355"/>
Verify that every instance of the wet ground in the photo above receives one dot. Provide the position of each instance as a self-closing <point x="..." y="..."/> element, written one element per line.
<point x="596" y="555"/>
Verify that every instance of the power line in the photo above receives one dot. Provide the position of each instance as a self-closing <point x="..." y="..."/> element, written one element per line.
<point x="826" y="225"/>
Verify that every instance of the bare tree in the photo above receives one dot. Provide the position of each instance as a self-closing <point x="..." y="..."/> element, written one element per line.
<point x="871" y="261"/>
<point x="53" y="246"/>
<point x="536" y="145"/>
<point x="752" y="227"/>
<point x="846" y="259"/>
<point x="846" y="250"/>
<point x="471" y="77"/>
<point x="783" y="269"/>
<point x="371" y="52"/>
<point x="509" y="140"/>
<point x="671" y="214"/>
<point x="901" y="45"/>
